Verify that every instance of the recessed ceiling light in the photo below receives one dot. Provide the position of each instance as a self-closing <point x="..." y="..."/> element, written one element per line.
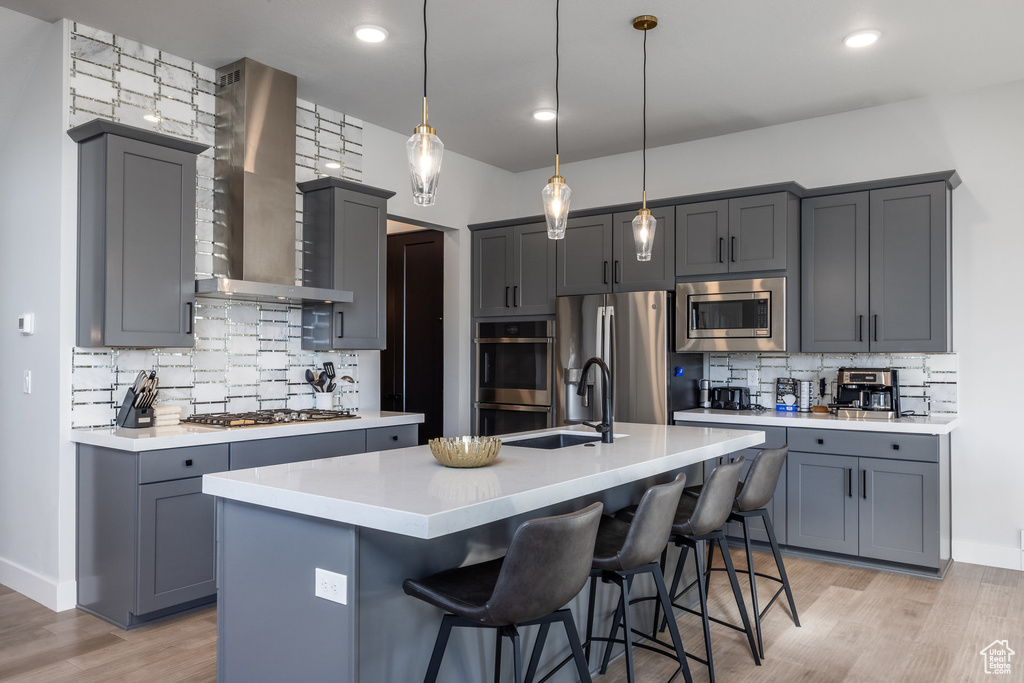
<point x="332" y="164"/>
<point x="152" y="118"/>
<point x="371" y="34"/>
<point x="544" y="114"/>
<point x="861" y="38"/>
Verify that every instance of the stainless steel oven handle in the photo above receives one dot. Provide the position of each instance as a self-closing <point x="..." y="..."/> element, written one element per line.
<point x="513" y="408"/>
<point x="516" y="340"/>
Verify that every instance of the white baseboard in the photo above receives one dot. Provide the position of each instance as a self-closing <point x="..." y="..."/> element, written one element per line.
<point x="1002" y="556"/>
<point x="45" y="591"/>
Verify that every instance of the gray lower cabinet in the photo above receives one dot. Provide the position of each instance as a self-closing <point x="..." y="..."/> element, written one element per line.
<point x="876" y="270"/>
<point x="136" y="236"/>
<point x="513" y="271"/>
<point x="822" y="502"/>
<point x="740" y="235"/>
<point x="899" y="506"/>
<point x="146" y="532"/>
<point x="345" y="247"/>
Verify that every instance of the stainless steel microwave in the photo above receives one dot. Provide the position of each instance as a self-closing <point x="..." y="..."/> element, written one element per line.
<point x="731" y="315"/>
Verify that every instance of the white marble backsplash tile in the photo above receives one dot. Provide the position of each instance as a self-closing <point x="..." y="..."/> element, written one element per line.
<point x="928" y="381"/>
<point x="246" y="356"/>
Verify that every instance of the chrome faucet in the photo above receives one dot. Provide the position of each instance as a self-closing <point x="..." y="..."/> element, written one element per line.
<point x="604" y="428"/>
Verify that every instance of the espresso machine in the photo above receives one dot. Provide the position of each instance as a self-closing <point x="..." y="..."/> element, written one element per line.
<point x="867" y="394"/>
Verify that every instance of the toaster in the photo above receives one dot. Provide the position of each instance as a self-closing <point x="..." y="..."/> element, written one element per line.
<point x="730" y="398"/>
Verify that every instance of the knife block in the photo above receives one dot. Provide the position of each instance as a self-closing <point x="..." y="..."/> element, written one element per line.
<point x="131" y="417"/>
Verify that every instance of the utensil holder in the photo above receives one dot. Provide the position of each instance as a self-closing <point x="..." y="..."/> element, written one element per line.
<point x="131" y="417"/>
<point x="323" y="401"/>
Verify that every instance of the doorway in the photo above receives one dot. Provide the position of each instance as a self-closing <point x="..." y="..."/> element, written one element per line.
<point x="412" y="364"/>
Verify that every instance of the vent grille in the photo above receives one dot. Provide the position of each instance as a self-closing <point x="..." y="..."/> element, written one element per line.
<point x="229" y="78"/>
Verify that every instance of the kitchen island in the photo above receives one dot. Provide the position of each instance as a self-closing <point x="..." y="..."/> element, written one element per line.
<point x="378" y="518"/>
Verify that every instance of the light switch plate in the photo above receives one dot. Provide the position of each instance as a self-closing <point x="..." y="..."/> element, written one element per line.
<point x="331" y="586"/>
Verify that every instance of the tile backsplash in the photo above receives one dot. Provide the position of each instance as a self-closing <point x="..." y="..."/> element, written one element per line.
<point x="928" y="382"/>
<point x="247" y="355"/>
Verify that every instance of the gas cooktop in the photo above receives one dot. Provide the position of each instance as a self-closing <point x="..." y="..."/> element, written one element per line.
<point x="263" y="418"/>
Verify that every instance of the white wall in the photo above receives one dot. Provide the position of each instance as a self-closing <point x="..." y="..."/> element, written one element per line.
<point x="33" y="506"/>
<point x="469" y="192"/>
<point x="978" y="133"/>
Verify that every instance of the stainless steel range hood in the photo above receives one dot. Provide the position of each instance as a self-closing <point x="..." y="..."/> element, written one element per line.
<point x="254" y="190"/>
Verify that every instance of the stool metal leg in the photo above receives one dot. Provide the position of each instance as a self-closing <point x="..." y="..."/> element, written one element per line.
<point x="676" y="579"/>
<point x="657" y="603"/>
<point x="517" y="656"/>
<point x="591" y="606"/>
<point x="780" y="565"/>
<point x="574" y="644"/>
<point x="698" y="555"/>
<point x="673" y="628"/>
<point x="538" y="647"/>
<point x="497" y="657"/>
<point x="627" y="584"/>
<point x="615" y="628"/>
<point x="753" y="585"/>
<point x="447" y="621"/>
<point x="739" y="599"/>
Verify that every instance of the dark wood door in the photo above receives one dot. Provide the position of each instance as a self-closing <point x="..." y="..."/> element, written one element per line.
<point x="412" y="365"/>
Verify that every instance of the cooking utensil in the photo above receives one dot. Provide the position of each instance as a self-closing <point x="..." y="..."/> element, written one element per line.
<point x="321" y="381"/>
<point x="329" y="369"/>
<point x="137" y="385"/>
<point x="331" y="387"/>
<point x="311" y="379"/>
<point x="152" y="393"/>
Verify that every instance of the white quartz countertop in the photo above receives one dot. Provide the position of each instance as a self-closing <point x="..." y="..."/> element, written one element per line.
<point x="406" y="491"/>
<point x="184" y="434"/>
<point x="748" y="418"/>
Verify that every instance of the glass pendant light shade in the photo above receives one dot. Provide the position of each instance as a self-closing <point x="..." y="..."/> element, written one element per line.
<point x="644" y="227"/>
<point x="424" y="150"/>
<point x="556" y="197"/>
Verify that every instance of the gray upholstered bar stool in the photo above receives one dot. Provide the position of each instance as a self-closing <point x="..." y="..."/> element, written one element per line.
<point x="546" y="566"/>
<point x="752" y="498"/>
<point x="698" y="523"/>
<point x="623" y="551"/>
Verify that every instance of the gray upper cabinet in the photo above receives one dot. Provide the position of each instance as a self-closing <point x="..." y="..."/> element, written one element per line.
<point x="631" y="275"/>
<point x="136" y="236"/>
<point x="345" y="247"/>
<point x="910" y="269"/>
<point x="584" y="257"/>
<point x="876" y="271"/>
<point x="834" y="240"/>
<point x="740" y="235"/>
<point x="513" y="271"/>
<point x="702" y="231"/>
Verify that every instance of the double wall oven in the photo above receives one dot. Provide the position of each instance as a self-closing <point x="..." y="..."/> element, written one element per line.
<point x="514" y="376"/>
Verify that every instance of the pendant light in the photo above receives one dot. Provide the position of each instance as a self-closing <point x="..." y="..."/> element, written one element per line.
<point x="424" y="148"/>
<point x="556" y="193"/>
<point x="644" y="225"/>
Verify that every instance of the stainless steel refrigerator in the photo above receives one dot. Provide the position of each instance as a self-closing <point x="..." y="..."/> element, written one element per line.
<point x="630" y="332"/>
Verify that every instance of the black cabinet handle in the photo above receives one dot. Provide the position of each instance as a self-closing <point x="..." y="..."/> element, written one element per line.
<point x="618" y="272"/>
<point x="849" y="482"/>
<point x="876" y="327"/>
<point x="721" y="244"/>
<point x="895" y="446"/>
<point x="732" y="249"/>
<point x="395" y="437"/>
<point x="821" y="441"/>
<point x="506" y="297"/>
<point x="188" y="330"/>
<point x="515" y="296"/>
<point x="864" y="483"/>
<point x="340" y="325"/>
<point x="606" y="272"/>
<point x="860" y="328"/>
<point x="188" y="463"/>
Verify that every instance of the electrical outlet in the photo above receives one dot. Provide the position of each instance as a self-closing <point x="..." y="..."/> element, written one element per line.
<point x="331" y="586"/>
<point x="26" y="385"/>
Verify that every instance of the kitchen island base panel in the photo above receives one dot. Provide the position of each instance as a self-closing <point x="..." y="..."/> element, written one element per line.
<point x="271" y="627"/>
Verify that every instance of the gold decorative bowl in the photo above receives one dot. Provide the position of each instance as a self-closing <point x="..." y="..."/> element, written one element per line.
<point x="465" y="451"/>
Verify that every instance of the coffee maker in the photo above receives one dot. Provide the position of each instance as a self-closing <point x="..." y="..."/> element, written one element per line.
<point x="867" y="394"/>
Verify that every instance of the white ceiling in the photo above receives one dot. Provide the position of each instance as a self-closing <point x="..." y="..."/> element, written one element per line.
<point x="714" y="67"/>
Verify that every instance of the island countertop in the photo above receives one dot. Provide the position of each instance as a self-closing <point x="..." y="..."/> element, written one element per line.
<point x="939" y="424"/>
<point x="406" y="491"/>
<point x="186" y="434"/>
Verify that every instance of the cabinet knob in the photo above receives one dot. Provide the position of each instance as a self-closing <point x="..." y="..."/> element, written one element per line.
<point x="821" y="441"/>
<point x="395" y="437"/>
<point x="895" y="446"/>
<point x="188" y="463"/>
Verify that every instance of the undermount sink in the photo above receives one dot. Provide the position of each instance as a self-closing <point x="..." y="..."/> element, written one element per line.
<point x="552" y="441"/>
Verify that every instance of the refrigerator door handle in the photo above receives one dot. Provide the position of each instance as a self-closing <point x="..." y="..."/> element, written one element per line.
<point x="606" y="352"/>
<point x="599" y="334"/>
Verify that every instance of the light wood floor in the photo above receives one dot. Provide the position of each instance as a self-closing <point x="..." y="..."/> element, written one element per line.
<point x="858" y="625"/>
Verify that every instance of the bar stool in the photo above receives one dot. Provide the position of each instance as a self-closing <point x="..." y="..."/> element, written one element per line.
<point x="752" y="498"/>
<point x="546" y="566"/>
<point x="623" y="551"/>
